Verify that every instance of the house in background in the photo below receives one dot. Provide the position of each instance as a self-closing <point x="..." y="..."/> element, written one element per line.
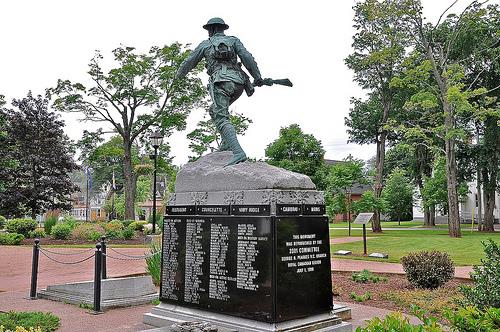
<point x="146" y="207"/>
<point x="356" y="191"/>
<point x="469" y="206"/>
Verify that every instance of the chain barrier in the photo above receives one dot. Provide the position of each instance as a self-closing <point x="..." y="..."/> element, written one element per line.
<point x="68" y="254"/>
<point x="131" y="258"/>
<point x="66" y="263"/>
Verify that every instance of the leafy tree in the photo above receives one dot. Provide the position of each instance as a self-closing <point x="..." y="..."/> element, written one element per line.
<point x="43" y="156"/>
<point x="398" y="194"/>
<point x="6" y="163"/>
<point x="369" y="203"/>
<point x="341" y="178"/>
<point x="206" y="137"/>
<point x="379" y="47"/>
<point x="438" y="44"/>
<point x="138" y="93"/>
<point x="479" y="53"/>
<point x="298" y="152"/>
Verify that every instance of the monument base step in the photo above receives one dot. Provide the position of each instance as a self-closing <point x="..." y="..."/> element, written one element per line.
<point x="165" y="315"/>
<point x="343" y="311"/>
<point x="115" y="292"/>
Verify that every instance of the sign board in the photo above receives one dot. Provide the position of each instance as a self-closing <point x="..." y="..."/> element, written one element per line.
<point x="363" y="218"/>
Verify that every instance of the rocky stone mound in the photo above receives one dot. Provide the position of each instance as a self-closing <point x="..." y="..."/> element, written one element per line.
<point x="209" y="174"/>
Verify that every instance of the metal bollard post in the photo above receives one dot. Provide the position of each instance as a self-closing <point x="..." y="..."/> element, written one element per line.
<point x="103" y="250"/>
<point x="97" y="278"/>
<point x="34" y="269"/>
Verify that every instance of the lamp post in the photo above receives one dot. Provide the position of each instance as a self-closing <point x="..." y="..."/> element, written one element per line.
<point x="156" y="140"/>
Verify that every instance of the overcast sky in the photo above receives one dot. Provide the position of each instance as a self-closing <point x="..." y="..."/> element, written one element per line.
<point x="305" y="41"/>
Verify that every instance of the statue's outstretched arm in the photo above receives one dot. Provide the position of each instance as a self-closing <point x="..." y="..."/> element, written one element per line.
<point x="247" y="60"/>
<point x="191" y="61"/>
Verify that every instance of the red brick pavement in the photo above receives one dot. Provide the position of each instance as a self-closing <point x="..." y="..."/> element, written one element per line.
<point x="341" y="264"/>
<point x="15" y="271"/>
<point x="15" y="266"/>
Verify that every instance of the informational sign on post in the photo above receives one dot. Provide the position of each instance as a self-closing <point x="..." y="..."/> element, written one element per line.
<point x="364" y="218"/>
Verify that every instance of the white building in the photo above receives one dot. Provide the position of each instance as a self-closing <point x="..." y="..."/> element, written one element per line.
<point x="469" y="207"/>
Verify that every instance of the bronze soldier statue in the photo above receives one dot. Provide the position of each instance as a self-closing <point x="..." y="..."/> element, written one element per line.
<point x="227" y="79"/>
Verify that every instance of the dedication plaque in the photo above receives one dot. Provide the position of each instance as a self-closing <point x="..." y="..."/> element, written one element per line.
<point x="241" y="261"/>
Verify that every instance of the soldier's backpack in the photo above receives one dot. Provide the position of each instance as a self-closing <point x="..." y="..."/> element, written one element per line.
<point x="223" y="49"/>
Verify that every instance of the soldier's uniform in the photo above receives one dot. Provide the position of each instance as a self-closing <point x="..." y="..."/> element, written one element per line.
<point x="227" y="80"/>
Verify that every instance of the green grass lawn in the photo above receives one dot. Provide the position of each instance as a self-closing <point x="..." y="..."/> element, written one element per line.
<point x="466" y="250"/>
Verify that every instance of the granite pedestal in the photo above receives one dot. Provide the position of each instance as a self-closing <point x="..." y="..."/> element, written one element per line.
<point x="252" y="259"/>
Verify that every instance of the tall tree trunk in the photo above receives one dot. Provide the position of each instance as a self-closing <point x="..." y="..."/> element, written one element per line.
<point x="426" y="216"/>
<point x="128" y="180"/>
<point x="432" y="215"/>
<point x="489" y="207"/>
<point x="380" y="158"/>
<point x="451" y="172"/>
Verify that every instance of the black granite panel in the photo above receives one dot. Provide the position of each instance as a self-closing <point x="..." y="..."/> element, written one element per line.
<point x="221" y="264"/>
<point x="303" y="269"/>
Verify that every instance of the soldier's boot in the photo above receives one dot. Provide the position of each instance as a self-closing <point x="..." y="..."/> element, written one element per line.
<point x="223" y="145"/>
<point x="229" y="135"/>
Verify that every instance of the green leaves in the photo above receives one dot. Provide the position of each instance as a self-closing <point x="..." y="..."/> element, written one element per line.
<point x="298" y="152"/>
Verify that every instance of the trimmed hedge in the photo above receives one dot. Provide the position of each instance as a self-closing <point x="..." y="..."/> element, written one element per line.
<point x="11" y="239"/>
<point x="61" y="231"/>
<point x="21" y="226"/>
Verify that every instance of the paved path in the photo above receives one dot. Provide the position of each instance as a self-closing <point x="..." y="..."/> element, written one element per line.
<point x="15" y="266"/>
<point x="15" y="271"/>
<point x="361" y="313"/>
<point x="340" y="240"/>
<point x="341" y="264"/>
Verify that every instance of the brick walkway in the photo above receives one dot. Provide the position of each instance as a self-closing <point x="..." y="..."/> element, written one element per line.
<point x="341" y="264"/>
<point x="15" y="267"/>
<point x="15" y="272"/>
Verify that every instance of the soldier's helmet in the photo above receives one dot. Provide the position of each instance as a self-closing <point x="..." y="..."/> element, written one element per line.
<point x="214" y="21"/>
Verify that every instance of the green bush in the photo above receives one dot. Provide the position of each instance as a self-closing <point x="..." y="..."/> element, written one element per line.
<point x="3" y="221"/>
<point x="61" y="231"/>
<point x="138" y="225"/>
<point x="361" y="298"/>
<point x="485" y="291"/>
<point x="46" y="321"/>
<point x="11" y="239"/>
<point x="126" y="223"/>
<point x="428" y="269"/>
<point x="364" y="276"/>
<point x="38" y="233"/>
<point x="396" y="322"/>
<point x="21" y="226"/>
<point x="87" y="232"/>
<point x="472" y="319"/>
<point x="113" y="229"/>
<point x="128" y="233"/>
<point x="153" y="263"/>
<point x="50" y="221"/>
<point x="69" y="220"/>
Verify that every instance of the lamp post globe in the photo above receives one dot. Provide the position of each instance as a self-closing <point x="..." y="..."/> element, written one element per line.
<point x="156" y="140"/>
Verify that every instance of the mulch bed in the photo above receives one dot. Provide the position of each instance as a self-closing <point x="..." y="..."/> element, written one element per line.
<point x="139" y="240"/>
<point x="343" y="285"/>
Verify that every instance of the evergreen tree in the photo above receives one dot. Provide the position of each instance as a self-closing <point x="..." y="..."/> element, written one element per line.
<point x="43" y="157"/>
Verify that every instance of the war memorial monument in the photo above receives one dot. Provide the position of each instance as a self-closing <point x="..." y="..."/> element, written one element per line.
<point x="245" y="244"/>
